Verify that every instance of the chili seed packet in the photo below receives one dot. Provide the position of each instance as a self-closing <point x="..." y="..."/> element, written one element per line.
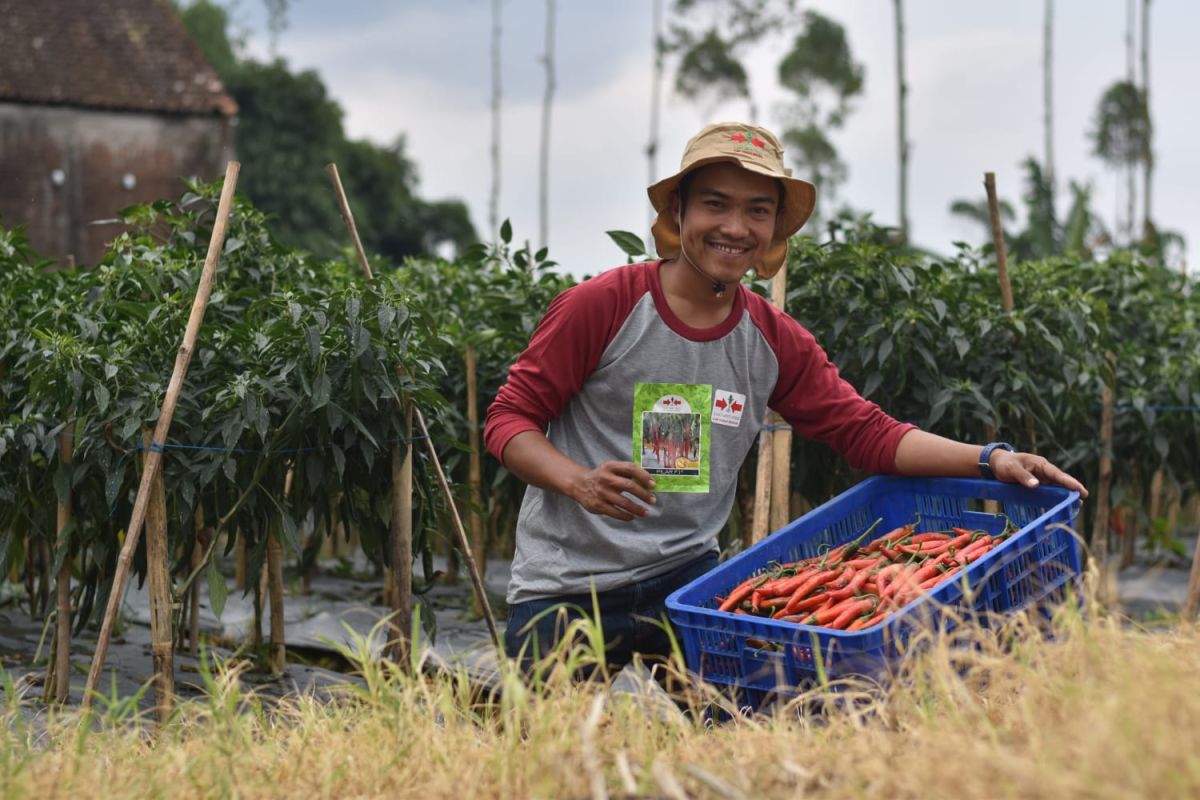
<point x="671" y="434"/>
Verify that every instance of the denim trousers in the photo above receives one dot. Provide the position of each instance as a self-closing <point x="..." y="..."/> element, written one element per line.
<point x="632" y="617"/>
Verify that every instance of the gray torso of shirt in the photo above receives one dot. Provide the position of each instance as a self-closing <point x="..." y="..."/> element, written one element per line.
<point x="563" y="549"/>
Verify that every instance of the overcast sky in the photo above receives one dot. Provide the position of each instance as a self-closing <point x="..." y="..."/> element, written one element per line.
<point x="422" y="69"/>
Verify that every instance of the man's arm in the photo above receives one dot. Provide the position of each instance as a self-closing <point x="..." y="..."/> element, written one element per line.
<point x="923" y="454"/>
<point x="531" y="457"/>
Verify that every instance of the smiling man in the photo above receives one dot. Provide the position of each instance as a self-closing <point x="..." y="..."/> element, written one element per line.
<point x="642" y="390"/>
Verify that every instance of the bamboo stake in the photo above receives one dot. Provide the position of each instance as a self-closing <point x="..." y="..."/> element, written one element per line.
<point x="61" y="664"/>
<point x="399" y="592"/>
<point x="475" y="468"/>
<point x="401" y="599"/>
<point x="762" y="488"/>
<point x="781" y="437"/>
<point x="1006" y="295"/>
<point x="476" y="580"/>
<point x="163" y="427"/>
<point x="278" y="651"/>
<point x="158" y="579"/>
<point x="194" y="601"/>
<point x="1192" y="604"/>
<point x="1100" y="523"/>
<point x="348" y="218"/>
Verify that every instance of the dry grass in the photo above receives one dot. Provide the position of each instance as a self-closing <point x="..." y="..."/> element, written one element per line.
<point x="1101" y="711"/>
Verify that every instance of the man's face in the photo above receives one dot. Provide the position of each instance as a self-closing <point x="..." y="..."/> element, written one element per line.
<point x="729" y="220"/>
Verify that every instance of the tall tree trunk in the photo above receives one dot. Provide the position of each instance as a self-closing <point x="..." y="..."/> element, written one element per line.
<point x="1048" y="95"/>
<point x="494" y="199"/>
<point x="1148" y="155"/>
<point x="656" y="82"/>
<point x="901" y="119"/>
<point x="1131" y="76"/>
<point x="547" y="100"/>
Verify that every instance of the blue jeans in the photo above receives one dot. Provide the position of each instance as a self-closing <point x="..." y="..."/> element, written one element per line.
<point x="632" y="617"/>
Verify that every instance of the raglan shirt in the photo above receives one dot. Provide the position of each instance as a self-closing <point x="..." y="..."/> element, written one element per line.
<point x="608" y="370"/>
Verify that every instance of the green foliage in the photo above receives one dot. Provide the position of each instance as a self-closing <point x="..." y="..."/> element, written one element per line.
<point x="289" y="128"/>
<point x="926" y="339"/>
<point x="297" y="369"/>
<point x="1122" y="128"/>
<point x="491" y="300"/>
<point x="820" y="59"/>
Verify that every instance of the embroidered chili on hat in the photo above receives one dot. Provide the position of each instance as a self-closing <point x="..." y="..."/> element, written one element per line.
<point x="751" y="148"/>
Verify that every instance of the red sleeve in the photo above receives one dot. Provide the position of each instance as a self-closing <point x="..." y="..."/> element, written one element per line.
<point x="562" y="353"/>
<point x="814" y="399"/>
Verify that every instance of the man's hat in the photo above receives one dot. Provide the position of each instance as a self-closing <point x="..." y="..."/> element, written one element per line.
<point x="751" y="148"/>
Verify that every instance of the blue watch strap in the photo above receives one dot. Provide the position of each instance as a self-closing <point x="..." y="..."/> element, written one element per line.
<point x="985" y="455"/>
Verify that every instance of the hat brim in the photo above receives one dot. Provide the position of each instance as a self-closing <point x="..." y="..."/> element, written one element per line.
<point x="799" y="199"/>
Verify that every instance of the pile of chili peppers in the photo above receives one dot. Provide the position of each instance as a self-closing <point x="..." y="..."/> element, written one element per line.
<point x="854" y="586"/>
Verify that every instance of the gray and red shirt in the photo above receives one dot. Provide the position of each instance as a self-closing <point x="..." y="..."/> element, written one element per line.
<point x="612" y="374"/>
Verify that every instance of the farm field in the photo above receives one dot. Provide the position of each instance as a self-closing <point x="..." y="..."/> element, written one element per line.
<point x="290" y="447"/>
<point x="1102" y="711"/>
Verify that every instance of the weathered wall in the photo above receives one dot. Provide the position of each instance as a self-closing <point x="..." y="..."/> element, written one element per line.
<point x="95" y="151"/>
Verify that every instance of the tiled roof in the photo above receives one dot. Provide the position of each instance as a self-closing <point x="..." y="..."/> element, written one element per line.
<point x="132" y="55"/>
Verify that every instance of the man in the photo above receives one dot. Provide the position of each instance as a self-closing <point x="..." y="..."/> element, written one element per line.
<point x="665" y="346"/>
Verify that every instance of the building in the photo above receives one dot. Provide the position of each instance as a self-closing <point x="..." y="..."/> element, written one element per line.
<point x="102" y="105"/>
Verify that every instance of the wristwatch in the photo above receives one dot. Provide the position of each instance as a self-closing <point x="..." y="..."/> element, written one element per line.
<point x="985" y="455"/>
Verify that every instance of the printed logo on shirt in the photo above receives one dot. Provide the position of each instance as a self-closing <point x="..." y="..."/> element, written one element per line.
<point x="671" y="435"/>
<point x="727" y="408"/>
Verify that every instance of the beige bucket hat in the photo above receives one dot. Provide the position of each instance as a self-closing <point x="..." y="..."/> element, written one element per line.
<point x="751" y="148"/>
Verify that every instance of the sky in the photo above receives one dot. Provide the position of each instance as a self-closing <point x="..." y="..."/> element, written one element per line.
<point x="422" y="70"/>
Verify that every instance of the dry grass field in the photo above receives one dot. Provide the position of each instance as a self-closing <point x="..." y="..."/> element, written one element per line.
<point x="1103" y="709"/>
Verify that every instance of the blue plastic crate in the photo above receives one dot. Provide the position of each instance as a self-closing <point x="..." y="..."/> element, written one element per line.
<point x="1037" y="565"/>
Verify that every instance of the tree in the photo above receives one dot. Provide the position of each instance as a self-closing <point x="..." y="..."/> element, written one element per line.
<point x="710" y="67"/>
<point x="901" y="121"/>
<point x="289" y="128"/>
<point x="1048" y="94"/>
<point x="655" y="102"/>
<point x="544" y="148"/>
<point x="494" y="196"/>
<point x="1121" y="135"/>
<point x="823" y="76"/>
<point x="1148" y="233"/>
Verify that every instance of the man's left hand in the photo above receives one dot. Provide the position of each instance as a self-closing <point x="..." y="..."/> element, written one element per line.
<point x="1030" y="470"/>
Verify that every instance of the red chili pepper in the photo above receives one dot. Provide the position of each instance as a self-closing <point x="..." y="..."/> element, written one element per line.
<point x="852" y="587"/>
<point x="855" y="609"/>
<point x="743" y="591"/>
<point x="806" y="588"/>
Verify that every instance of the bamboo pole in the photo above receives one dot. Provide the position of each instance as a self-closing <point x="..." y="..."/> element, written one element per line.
<point x="476" y="580"/>
<point x="1006" y="295"/>
<point x="1192" y="604"/>
<point x="198" y="548"/>
<point x="163" y="427"/>
<point x="1100" y="522"/>
<point x="61" y="664"/>
<point x="158" y="579"/>
<point x="762" y="488"/>
<point x="348" y="218"/>
<point x="401" y="599"/>
<point x="781" y="437"/>
<point x="399" y="589"/>
<point x="278" y="650"/>
<point x="475" y="469"/>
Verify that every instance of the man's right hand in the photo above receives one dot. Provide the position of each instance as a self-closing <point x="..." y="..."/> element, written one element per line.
<point x="603" y="490"/>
